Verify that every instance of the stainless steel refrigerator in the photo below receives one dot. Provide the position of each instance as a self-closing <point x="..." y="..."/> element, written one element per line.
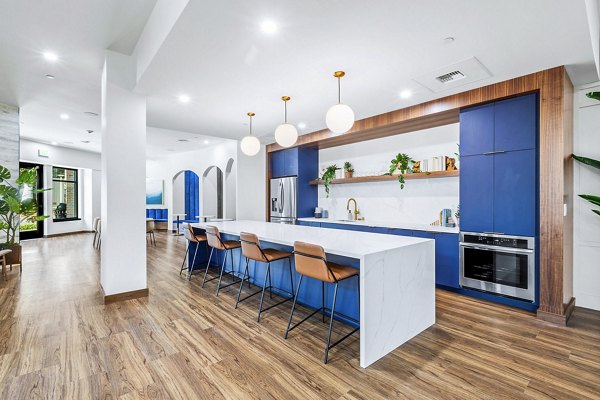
<point x="283" y="200"/>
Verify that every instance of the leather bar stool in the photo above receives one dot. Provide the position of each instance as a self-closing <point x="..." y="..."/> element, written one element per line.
<point x="150" y="232"/>
<point x="310" y="261"/>
<point x="3" y="254"/>
<point x="215" y="242"/>
<point x="192" y="237"/>
<point x="252" y="251"/>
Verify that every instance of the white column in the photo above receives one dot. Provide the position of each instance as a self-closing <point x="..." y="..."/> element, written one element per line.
<point x="123" y="267"/>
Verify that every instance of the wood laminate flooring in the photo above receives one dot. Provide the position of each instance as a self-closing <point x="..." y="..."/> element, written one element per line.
<point x="59" y="341"/>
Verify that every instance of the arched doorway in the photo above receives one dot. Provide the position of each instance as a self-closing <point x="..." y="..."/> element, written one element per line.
<point x="186" y="195"/>
<point x="212" y="192"/>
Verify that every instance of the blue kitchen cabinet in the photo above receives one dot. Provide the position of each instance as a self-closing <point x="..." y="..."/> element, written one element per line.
<point x="477" y="193"/>
<point x="477" y="130"/>
<point x="515" y="194"/>
<point x="446" y="260"/>
<point x="515" y="123"/>
<point x="277" y="164"/>
<point x="309" y="223"/>
<point x="379" y="229"/>
<point x="400" y="232"/>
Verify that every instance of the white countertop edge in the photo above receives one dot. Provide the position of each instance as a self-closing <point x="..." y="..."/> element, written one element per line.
<point x="392" y="225"/>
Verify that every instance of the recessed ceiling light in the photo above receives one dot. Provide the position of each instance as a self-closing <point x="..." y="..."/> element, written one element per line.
<point x="405" y="94"/>
<point x="182" y="140"/>
<point x="54" y="143"/>
<point x="64" y="116"/>
<point x="85" y="141"/>
<point x="449" y="40"/>
<point x="50" y="76"/>
<point x="90" y="113"/>
<point x="206" y="142"/>
<point x="301" y="125"/>
<point x="184" y="98"/>
<point x="268" y="26"/>
<point x="50" y="56"/>
<point x="89" y="131"/>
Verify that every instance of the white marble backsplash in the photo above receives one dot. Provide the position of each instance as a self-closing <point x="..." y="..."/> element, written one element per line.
<point x="419" y="202"/>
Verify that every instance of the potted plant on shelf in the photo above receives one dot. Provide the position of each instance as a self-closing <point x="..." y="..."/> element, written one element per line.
<point x="400" y="166"/>
<point x="328" y="176"/>
<point x="17" y="205"/>
<point x="348" y="170"/>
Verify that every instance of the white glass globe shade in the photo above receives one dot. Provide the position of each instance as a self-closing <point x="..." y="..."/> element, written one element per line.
<point x="339" y="118"/>
<point x="250" y="145"/>
<point x="286" y="135"/>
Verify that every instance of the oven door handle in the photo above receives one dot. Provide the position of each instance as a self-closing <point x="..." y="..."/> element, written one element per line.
<point x="505" y="249"/>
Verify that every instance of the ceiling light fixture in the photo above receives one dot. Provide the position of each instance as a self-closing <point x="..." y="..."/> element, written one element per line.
<point x="339" y="118"/>
<point x="405" y="94"/>
<point x="89" y="131"/>
<point x="250" y="145"/>
<point x="184" y="98"/>
<point x="54" y="143"/>
<point x="268" y="26"/>
<point x="286" y="134"/>
<point x="50" y="76"/>
<point x="182" y="140"/>
<point x="206" y="142"/>
<point x="50" y="56"/>
<point x="90" y="113"/>
<point x="301" y="125"/>
<point x="64" y="116"/>
<point x="85" y="141"/>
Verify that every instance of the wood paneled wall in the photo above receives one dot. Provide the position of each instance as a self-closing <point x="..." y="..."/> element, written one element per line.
<point x="556" y="166"/>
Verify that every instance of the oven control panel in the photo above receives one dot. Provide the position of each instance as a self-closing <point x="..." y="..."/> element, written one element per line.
<point x="498" y="240"/>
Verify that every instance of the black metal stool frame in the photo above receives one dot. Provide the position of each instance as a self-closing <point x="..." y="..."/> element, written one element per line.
<point x="323" y="309"/>
<point x="270" y="287"/>
<point x="220" y="277"/>
<point x="187" y="251"/>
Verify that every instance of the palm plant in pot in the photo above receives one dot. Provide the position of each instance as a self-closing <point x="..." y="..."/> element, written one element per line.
<point x="17" y="205"/>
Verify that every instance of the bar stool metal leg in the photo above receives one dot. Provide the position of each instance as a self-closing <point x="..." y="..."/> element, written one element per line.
<point x="331" y="322"/>
<point x="190" y="269"/>
<point x="237" y="301"/>
<point x="323" y="300"/>
<point x="187" y="250"/>
<point x="207" y="266"/>
<point x="293" y="306"/>
<point x="221" y="274"/>
<point x="262" y="296"/>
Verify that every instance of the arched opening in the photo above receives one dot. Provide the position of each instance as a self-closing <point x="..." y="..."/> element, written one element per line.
<point x="212" y="192"/>
<point x="186" y="195"/>
<point x="230" y="190"/>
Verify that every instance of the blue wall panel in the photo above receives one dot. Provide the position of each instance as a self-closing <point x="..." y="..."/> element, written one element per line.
<point x="192" y="199"/>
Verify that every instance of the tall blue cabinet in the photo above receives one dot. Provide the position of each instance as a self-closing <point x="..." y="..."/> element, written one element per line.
<point x="499" y="168"/>
<point x="302" y="162"/>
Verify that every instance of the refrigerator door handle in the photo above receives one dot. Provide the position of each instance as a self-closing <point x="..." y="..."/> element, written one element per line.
<point x="282" y="198"/>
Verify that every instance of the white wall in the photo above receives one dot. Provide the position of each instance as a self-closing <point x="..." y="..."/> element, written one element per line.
<point x="586" y="268"/>
<point x="230" y="190"/>
<point x="87" y="163"/>
<point x="179" y="194"/>
<point x="419" y="202"/>
<point x="197" y="161"/>
<point x="9" y="144"/>
<point x="209" y="189"/>
<point x="251" y="186"/>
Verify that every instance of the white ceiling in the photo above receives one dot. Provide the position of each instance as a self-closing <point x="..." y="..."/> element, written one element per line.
<point x="217" y="54"/>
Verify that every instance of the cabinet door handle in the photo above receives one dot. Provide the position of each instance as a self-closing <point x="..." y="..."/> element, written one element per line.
<point x="489" y="153"/>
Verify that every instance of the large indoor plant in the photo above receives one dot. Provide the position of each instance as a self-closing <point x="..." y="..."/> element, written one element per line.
<point x="595" y="200"/>
<point x="18" y="204"/>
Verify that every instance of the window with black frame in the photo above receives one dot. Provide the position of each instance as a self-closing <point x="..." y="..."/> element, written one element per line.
<point x="64" y="194"/>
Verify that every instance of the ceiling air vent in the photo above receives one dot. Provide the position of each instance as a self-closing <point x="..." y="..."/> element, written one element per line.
<point x="451" y="77"/>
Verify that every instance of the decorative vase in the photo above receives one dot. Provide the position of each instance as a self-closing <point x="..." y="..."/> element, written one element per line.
<point x="14" y="257"/>
<point x="348" y="174"/>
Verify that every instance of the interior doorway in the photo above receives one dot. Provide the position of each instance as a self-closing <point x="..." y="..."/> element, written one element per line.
<point x="33" y="229"/>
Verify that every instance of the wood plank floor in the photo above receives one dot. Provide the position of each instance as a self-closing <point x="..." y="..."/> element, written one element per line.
<point x="58" y="341"/>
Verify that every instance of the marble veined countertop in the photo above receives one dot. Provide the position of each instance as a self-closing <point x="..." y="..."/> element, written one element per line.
<point x="335" y="241"/>
<point x="383" y="224"/>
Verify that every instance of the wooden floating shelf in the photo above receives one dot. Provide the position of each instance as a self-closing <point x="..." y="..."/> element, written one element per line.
<point x="381" y="178"/>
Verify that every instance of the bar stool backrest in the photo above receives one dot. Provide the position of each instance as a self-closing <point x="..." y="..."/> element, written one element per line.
<point x="214" y="237"/>
<point x="309" y="260"/>
<point x="95" y="224"/>
<point x="189" y="235"/>
<point x="251" y="247"/>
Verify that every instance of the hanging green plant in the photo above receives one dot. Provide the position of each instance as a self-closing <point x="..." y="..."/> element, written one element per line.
<point x="401" y="163"/>
<point x="328" y="176"/>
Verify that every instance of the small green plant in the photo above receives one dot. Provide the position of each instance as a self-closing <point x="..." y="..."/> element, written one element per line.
<point x="348" y="167"/>
<point x="457" y="154"/>
<point x="328" y="176"/>
<point x="457" y="212"/>
<point x="595" y="200"/>
<point x="402" y="164"/>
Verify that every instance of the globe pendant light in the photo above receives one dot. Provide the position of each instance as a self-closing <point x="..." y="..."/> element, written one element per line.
<point x="286" y="134"/>
<point x="339" y="118"/>
<point x="250" y="145"/>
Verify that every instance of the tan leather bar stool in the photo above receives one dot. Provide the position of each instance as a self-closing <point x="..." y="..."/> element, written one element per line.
<point x="215" y="242"/>
<point x="252" y="251"/>
<point x="192" y="237"/>
<point x="3" y="254"/>
<point x="310" y="261"/>
<point x="150" y="232"/>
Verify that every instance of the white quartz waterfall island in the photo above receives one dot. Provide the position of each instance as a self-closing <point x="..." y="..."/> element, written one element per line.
<point x="397" y="278"/>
